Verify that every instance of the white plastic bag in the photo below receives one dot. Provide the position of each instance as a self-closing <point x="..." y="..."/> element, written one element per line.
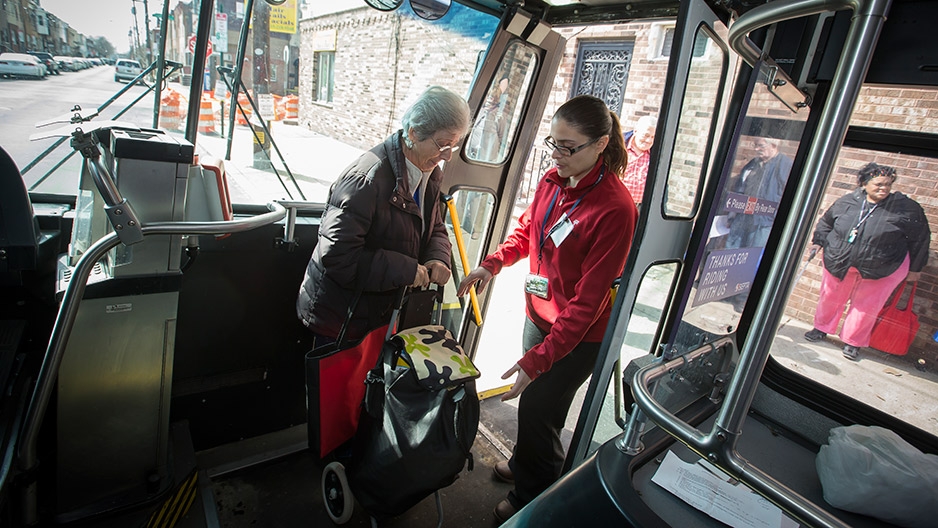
<point x="873" y="471"/>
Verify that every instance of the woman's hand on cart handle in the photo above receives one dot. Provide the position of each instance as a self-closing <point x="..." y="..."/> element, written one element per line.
<point x="479" y="276"/>
<point x="521" y="382"/>
<point x="439" y="272"/>
<point x="913" y="276"/>
<point x="422" y="279"/>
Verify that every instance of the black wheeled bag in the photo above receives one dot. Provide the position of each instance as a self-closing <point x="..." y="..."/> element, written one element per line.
<point x="418" y="422"/>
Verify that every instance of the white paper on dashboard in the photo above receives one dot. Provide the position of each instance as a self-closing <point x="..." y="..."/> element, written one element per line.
<point x="736" y="506"/>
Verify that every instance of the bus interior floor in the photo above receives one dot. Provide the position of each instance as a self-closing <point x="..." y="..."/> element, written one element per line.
<point x="286" y="491"/>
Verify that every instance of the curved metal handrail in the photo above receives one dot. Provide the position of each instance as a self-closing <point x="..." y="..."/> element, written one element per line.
<point x="68" y="310"/>
<point x="718" y="446"/>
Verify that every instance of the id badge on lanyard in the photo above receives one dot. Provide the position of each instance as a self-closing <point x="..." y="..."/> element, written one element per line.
<point x="536" y="285"/>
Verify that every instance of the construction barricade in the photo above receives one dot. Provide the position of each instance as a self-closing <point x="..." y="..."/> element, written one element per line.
<point x="207" y="115"/>
<point x="292" y="105"/>
<point x="242" y="110"/>
<point x="171" y="110"/>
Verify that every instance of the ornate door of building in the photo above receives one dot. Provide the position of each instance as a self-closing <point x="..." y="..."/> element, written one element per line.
<point x="602" y="70"/>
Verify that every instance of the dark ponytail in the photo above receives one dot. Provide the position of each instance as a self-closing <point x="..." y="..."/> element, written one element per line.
<point x="591" y="117"/>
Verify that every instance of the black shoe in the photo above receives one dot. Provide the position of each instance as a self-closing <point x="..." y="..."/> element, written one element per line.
<point x="814" y="335"/>
<point x="851" y="352"/>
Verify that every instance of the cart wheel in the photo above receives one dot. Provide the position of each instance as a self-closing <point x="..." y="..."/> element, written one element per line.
<point x="336" y="493"/>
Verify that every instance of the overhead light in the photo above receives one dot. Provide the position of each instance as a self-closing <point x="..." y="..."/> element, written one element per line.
<point x="562" y="2"/>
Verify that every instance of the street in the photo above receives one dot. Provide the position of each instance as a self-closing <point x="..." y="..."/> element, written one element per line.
<point x="26" y="102"/>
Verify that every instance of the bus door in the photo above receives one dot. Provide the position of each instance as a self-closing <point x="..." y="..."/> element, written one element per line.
<point x="486" y="182"/>
<point x="688" y="146"/>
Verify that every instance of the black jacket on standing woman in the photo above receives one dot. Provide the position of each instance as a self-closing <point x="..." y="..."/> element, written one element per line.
<point x="371" y="238"/>
<point x="896" y="227"/>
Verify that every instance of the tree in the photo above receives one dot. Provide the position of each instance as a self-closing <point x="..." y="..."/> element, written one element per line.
<point x="103" y="46"/>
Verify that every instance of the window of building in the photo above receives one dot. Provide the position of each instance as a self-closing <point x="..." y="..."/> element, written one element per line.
<point x="325" y="76"/>
<point x="661" y="41"/>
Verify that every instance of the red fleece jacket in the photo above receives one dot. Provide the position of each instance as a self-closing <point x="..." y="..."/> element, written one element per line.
<point x="580" y="271"/>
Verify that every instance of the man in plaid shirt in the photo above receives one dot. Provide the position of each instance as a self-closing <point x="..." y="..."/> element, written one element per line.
<point x="637" y="143"/>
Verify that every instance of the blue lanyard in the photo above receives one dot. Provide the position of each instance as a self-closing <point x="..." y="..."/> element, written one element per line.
<point x="546" y="233"/>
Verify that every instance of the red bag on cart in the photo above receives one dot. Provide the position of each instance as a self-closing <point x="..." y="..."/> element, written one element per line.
<point x="895" y="328"/>
<point x="335" y="375"/>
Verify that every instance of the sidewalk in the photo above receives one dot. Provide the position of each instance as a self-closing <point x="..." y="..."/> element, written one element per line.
<point x="314" y="161"/>
<point x="886" y="382"/>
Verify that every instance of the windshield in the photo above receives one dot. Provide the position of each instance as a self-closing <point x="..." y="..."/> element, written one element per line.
<point x="319" y="84"/>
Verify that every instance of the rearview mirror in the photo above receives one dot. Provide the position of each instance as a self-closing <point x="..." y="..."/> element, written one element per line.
<point x="430" y="9"/>
<point x="384" y="5"/>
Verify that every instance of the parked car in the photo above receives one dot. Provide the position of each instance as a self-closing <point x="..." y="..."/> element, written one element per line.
<point x="66" y="63"/>
<point x="126" y="70"/>
<point x="52" y="67"/>
<point x="21" y="65"/>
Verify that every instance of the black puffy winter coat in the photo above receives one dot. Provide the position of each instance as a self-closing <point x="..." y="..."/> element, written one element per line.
<point x="371" y="238"/>
<point x="896" y="228"/>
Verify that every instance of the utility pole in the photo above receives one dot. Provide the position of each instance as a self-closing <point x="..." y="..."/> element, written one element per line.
<point x="133" y="10"/>
<point x="146" y="21"/>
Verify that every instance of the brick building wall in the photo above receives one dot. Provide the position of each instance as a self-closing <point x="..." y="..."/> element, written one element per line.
<point x="383" y="61"/>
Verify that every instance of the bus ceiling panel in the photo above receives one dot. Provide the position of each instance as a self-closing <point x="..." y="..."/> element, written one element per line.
<point x="905" y="54"/>
<point x="580" y="12"/>
<point x="607" y="11"/>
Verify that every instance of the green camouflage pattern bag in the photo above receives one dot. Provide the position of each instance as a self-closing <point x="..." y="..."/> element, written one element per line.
<point x="437" y="359"/>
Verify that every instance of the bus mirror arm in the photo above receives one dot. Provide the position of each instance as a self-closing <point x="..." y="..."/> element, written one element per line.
<point x="122" y="216"/>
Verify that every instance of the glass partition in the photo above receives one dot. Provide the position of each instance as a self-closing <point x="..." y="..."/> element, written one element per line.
<point x="752" y="183"/>
<point x="689" y="158"/>
<point x="493" y="131"/>
<point x="474" y="210"/>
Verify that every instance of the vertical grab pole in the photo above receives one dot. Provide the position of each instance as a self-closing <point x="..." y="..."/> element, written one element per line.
<point x="473" y="298"/>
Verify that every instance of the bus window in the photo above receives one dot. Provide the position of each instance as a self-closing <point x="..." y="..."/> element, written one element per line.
<point x="323" y="76"/>
<point x="754" y="179"/>
<point x="647" y="311"/>
<point x="645" y="320"/>
<point x="901" y="385"/>
<point x="689" y="158"/>
<point x="492" y="133"/>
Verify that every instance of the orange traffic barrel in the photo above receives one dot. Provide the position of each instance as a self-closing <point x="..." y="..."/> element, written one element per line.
<point x="171" y="110"/>
<point x="292" y="104"/>
<point x="243" y="110"/>
<point x="206" y="116"/>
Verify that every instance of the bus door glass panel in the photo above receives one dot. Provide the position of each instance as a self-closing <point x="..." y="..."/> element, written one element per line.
<point x="493" y="131"/>
<point x="474" y="210"/>
<point x="754" y="177"/>
<point x="695" y="126"/>
<point x="696" y="129"/>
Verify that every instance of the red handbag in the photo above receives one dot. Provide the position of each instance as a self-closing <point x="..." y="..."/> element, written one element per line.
<point x="895" y="329"/>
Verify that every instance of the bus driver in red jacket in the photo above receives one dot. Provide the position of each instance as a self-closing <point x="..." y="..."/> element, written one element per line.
<point x="576" y="234"/>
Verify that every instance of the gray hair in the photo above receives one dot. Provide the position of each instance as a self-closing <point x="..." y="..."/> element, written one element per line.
<point x="646" y="121"/>
<point x="436" y="109"/>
